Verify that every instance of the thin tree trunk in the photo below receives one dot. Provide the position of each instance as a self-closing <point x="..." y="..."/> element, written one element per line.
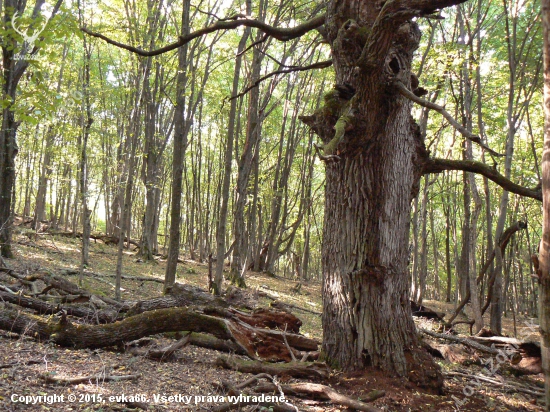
<point x="86" y="123"/>
<point x="222" y="219"/>
<point x="437" y="286"/>
<point x="544" y="251"/>
<point x="180" y="143"/>
<point x="253" y="133"/>
<point x="424" y="246"/>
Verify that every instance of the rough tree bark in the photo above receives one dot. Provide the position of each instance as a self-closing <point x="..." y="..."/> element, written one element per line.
<point x="367" y="318"/>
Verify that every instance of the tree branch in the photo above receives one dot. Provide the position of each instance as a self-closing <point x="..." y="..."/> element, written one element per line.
<point x="439" y="165"/>
<point x="440" y="109"/>
<point x="318" y="65"/>
<point x="282" y="34"/>
<point x="393" y="14"/>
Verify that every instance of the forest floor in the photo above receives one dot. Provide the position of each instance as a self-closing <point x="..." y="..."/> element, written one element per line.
<point x="24" y="362"/>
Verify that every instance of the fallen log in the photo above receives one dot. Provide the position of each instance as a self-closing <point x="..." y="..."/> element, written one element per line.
<point x="276" y="303"/>
<point x="178" y="296"/>
<point x="76" y="272"/>
<point x="61" y="284"/>
<point x="513" y="354"/>
<point x="313" y="370"/>
<point x="504" y="340"/>
<point x="234" y="389"/>
<point x="270" y="344"/>
<point x="260" y="318"/>
<point x="84" y="379"/>
<point x="512" y="387"/>
<point x="453" y="352"/>
<point x="44" y="308"/>
<point x="255" y="342"/>
<point x="421" y="311"/>
<point x="530" y="362"/>
<point x="107" y="239"/>
<point x="211" y="342"/>
<point x="287" y="306"/>
<point x="64" y="333"/>
<point x="249" y="329"/>
<point x="269" y="406"/>
<point x="322" y="392"/>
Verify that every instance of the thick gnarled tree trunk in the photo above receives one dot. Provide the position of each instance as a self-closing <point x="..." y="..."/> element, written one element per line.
<point x="369" y="188"/>
<point x="368" y="205"/>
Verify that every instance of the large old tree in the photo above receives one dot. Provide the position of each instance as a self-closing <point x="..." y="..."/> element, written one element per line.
<point x="370" y="185"/>
<point x="373" y="173"/>
<point x="375" y="158"/>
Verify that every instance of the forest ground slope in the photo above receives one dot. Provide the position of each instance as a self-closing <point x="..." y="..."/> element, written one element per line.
<point x="24" y="362"/>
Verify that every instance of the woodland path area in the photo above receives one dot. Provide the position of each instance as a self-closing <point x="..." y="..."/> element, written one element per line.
<point x="28" y="367"/>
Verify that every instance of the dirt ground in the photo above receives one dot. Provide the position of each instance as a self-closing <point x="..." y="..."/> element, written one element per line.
<point x="24" y="363"/>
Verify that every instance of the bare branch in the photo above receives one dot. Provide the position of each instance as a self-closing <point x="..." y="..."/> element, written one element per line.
<point x="256" y="43"/>
<point x="282" y="34"/>
<point x="439" y="165"/>
<point x="440" y="109"/>
<point x="318" y="65"/>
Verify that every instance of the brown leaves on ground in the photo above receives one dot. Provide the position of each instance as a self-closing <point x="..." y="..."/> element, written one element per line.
<point x="192" y="370"/>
